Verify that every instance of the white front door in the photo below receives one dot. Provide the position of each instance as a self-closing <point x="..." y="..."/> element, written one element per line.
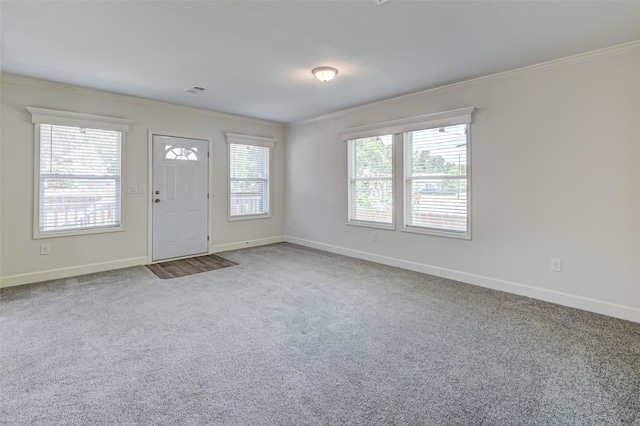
<point x="180" y="197"/>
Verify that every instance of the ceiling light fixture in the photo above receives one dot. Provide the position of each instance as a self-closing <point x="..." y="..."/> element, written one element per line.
<point x="324" y="74"/>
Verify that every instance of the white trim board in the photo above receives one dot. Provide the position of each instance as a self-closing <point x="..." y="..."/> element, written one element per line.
<point x="72" y="271"/>
<point x="244" y="244"/>
<point x="592" y="305"/>
<point x="597" y="306"/>
<point x="438" y="119"/>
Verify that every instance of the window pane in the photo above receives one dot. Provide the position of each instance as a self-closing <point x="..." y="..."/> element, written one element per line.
<point x="248" y="180"/>
<point x="180" y="153"/>
<point x="436" y="178"/>
<point x="373" y="157"/>
<point x="247" y="197"/>
<point x="79" y="178"/>
<point x="373" y="200"/>
<point x="371" y="179"/>
<point x="67" y="204"/>
<point x="442" y="210"/>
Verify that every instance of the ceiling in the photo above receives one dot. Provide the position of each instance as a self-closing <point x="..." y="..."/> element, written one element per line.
<point x="254" y="58"/>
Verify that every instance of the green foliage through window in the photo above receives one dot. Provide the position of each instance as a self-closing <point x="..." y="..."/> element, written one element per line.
<point x="372" y="179"/>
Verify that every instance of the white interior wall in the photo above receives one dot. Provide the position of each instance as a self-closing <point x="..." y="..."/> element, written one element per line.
<point x="21" y="259"/>
<point x="554" y="174"/>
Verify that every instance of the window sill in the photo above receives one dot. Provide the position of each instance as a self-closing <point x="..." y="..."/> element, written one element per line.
<point x="390" y="227"/>
<point x="37" y="235"/>
<point x="437" y="233"/>
<point x="248" y="217"/>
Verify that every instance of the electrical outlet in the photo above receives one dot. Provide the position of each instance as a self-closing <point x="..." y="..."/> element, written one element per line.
<point x="44" y="249"/>
<point x="141" y="189"/>
<point x="556" y="264"/>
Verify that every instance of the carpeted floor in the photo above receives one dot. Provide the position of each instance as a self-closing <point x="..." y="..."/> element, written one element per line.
<point x="295" y="336"/>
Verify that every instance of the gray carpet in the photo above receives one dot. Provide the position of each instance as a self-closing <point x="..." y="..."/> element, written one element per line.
<point x="295" y="336"/>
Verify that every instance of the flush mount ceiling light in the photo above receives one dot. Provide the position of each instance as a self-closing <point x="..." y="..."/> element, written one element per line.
<point x="324" y="74"/>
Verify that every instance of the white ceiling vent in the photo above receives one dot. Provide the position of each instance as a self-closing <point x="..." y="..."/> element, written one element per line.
<point x="195" y="89"/>
<point x="379" y="2"/>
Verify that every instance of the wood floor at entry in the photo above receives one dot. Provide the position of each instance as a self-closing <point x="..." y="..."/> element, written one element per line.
<point x="180" y="197"/>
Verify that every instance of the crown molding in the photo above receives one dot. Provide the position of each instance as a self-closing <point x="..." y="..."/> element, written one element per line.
<point x="620" y="49"/>
<point x="594" y="55"/>
<point x="114" y="97"/>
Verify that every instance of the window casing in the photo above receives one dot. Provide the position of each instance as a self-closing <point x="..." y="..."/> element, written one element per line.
<point x="78" y="168"/>
<point x="434" y="174"/>
<point x="249" y="182"/>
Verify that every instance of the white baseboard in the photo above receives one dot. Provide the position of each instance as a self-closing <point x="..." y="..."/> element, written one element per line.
<point x="244" y="244"/>
<point x="598" y="306"/>
<point x="54" y="274"/>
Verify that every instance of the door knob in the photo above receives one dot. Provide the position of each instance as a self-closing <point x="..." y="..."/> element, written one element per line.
<point x="157" y="200"/>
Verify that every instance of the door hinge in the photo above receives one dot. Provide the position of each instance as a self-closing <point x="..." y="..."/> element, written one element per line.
<point x="207" y="238"/>
<point x="207" y="196"/>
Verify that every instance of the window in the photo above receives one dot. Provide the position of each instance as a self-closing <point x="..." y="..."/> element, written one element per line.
<point x="78" y="173"/>
<point x="371" y="180"/>
<point x="436" y="179"/>
<point x="249" y="180"/>
<point x="435" y="171"/>
<point x="180" y="153"/>
<point x="249" y="176"/>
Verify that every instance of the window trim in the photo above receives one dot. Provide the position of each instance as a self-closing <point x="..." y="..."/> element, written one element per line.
<point x="73" y="119"/>
<point x="265" y="142"/>
<point x="371" y="223"/>
<point x="438" y="119"/>
<point x="397" y="128"/>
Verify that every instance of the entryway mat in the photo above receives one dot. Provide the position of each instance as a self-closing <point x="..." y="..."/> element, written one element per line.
<point x="190" y="266"/>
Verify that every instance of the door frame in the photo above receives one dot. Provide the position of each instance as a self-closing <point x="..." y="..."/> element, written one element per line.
<point x="150" y="134"/>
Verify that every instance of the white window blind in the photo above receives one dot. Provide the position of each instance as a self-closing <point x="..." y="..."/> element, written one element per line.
<point x="80" y="178"/>
<point x="249" y="180"/>
<point x="78" y="172"/>
<point x="371" y="180"/>
<point x="435" y="170"/>
<point x="436" y="179"/>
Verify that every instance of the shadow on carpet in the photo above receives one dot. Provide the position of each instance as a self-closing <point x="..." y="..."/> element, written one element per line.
<point x="193" y="265"/>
